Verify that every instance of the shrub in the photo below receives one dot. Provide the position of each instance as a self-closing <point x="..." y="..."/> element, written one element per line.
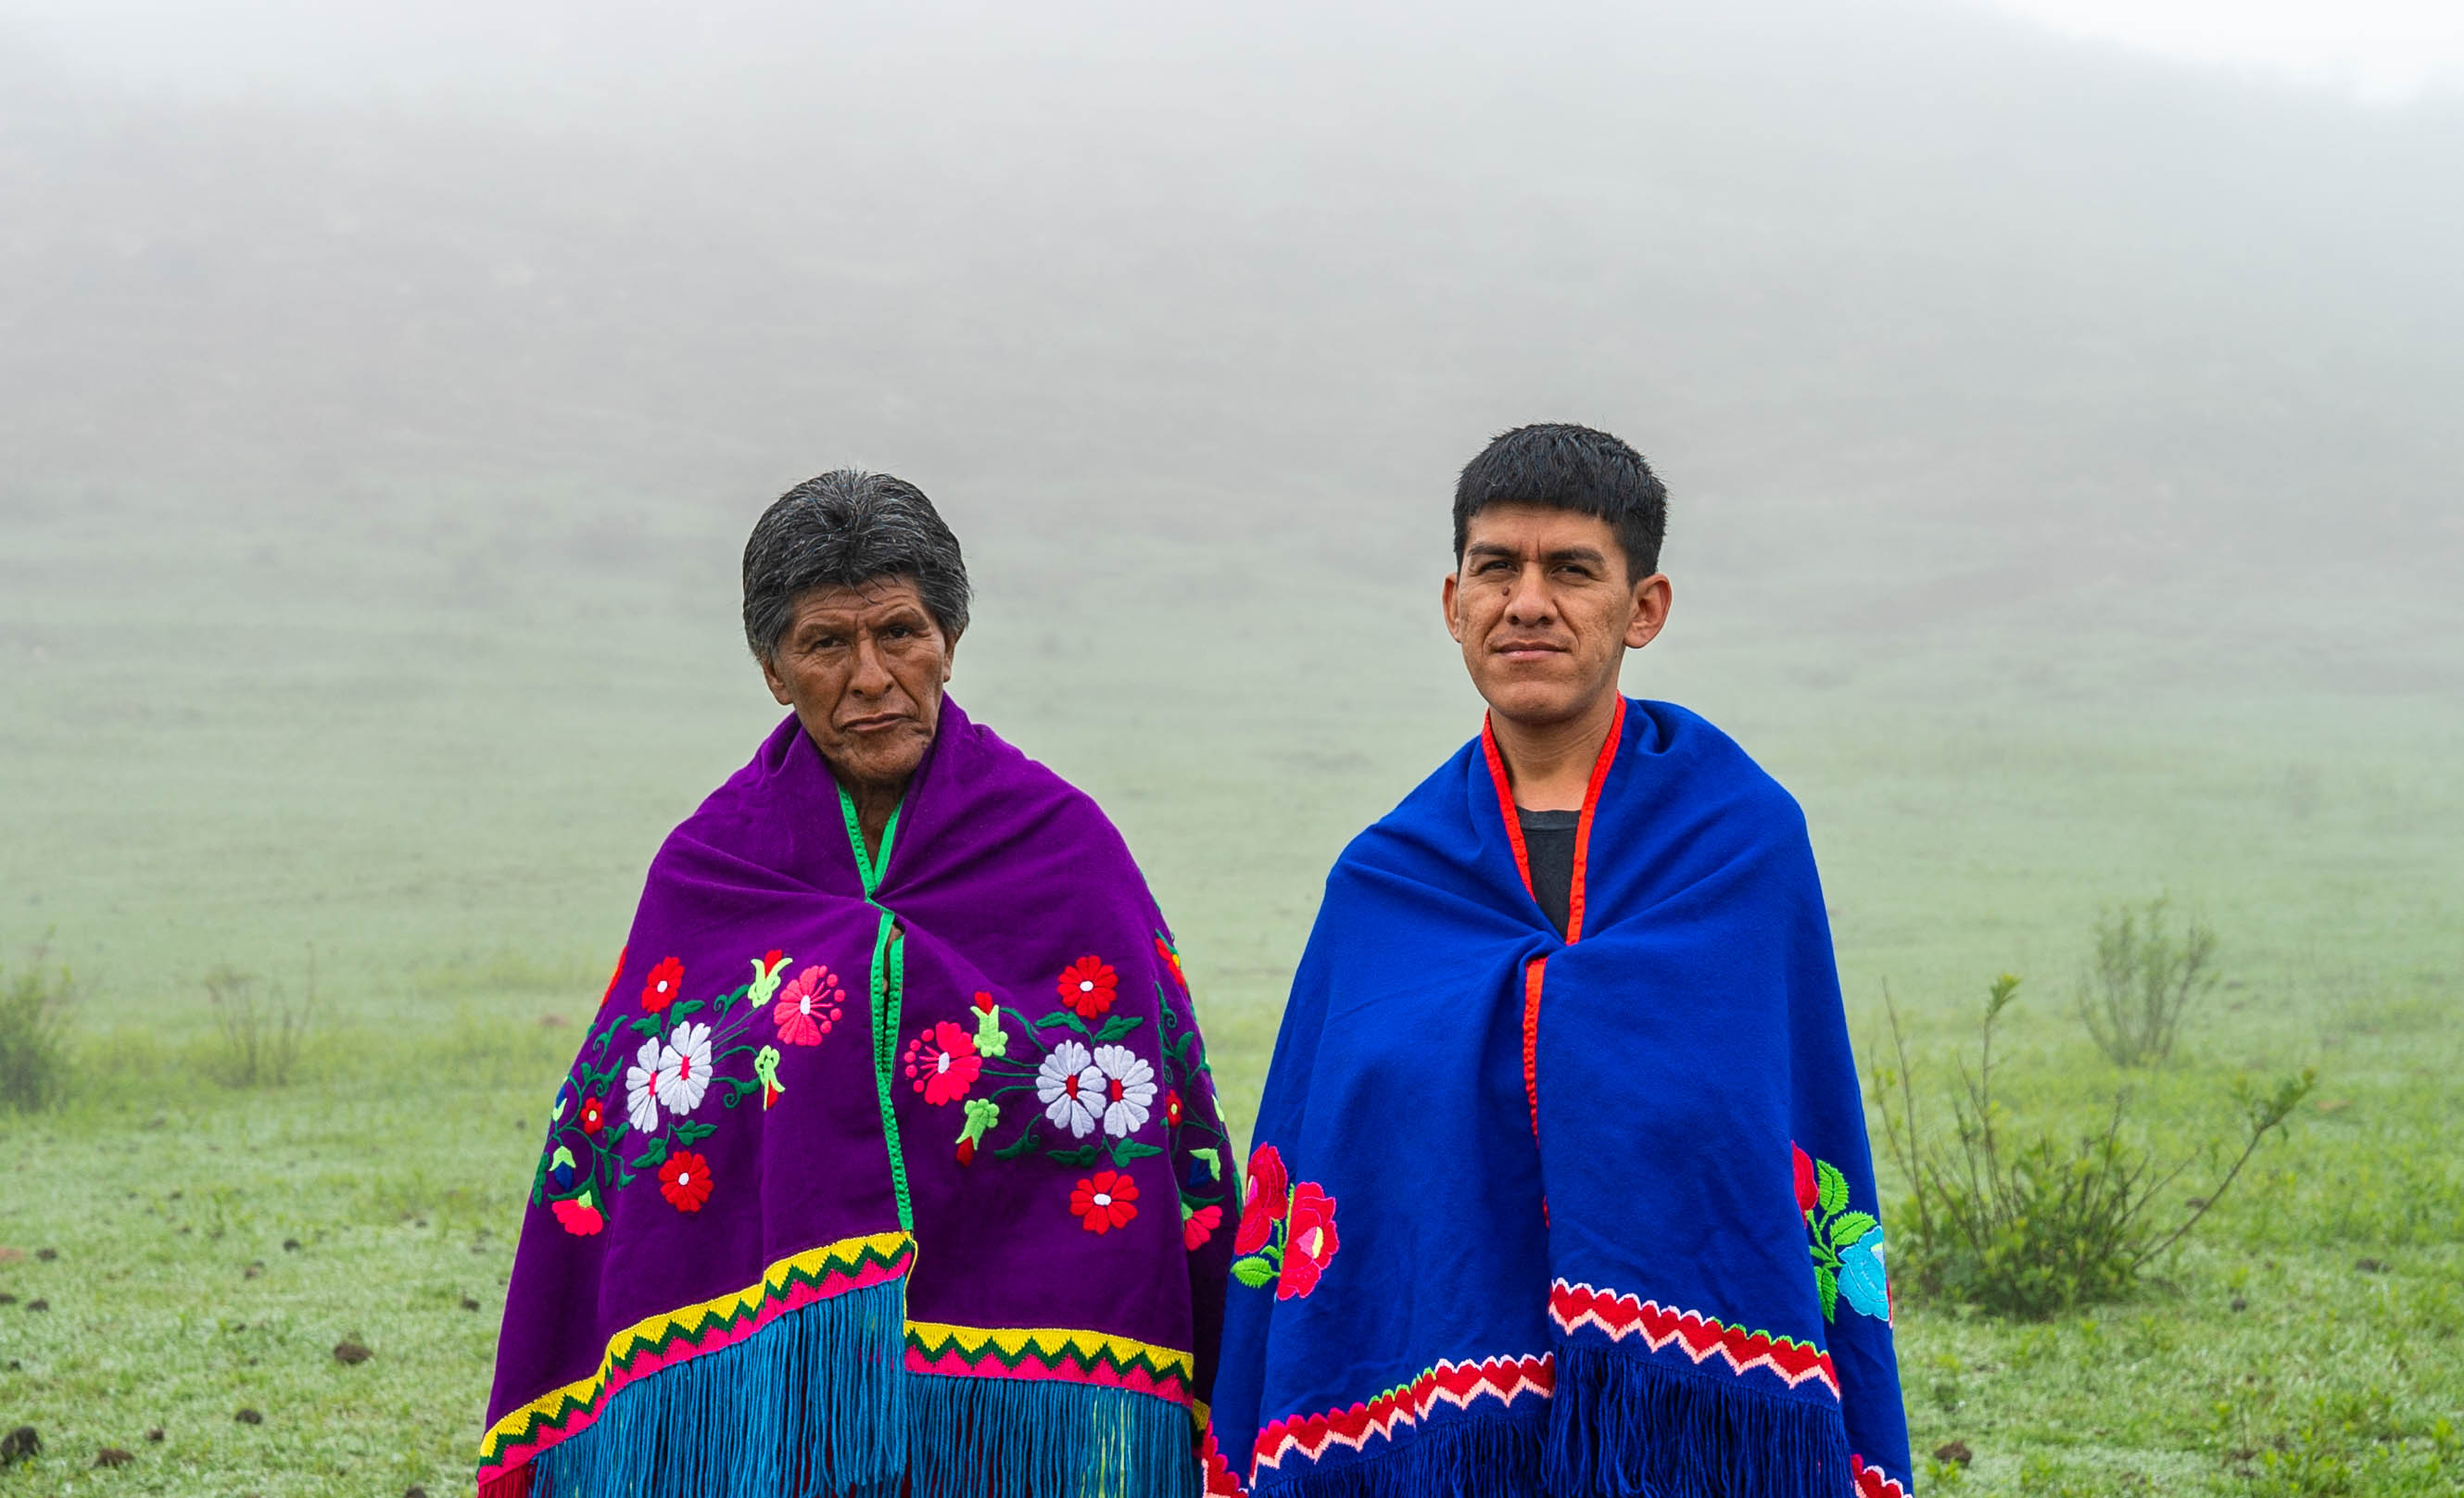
<point x="33" y="1035"/>
<point x="260" y="1031"/>
<point x="2029" y="1226"/>
<point x="2143" y="980"/>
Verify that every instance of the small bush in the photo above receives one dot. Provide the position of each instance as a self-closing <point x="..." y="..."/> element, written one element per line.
<point x="258" y="1028"/>
<point x="2030" y="1226"/>
<point x="2143" y="980"/>
<point x="33" y="1035"/>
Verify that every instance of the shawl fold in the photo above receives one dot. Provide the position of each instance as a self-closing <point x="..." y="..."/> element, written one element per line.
<point x="876" y="1174"/>
<point x="1590" y="1215"/>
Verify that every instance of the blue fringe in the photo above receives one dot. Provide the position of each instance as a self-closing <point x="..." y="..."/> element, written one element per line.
<point x="810" y="1406"/>
<point x="1469" y="1456"/>
<point x="1010" y="1437"/>
<point x="1625" y="1426"/>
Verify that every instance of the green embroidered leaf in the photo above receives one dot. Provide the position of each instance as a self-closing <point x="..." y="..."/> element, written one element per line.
<point x="623" y="1177"/>
<point x="647" y="1024"/>
<point x="1181" y="1048"/>
<point x="656" y="1154"/>
<point x="689" y="1007"/>
<point x="1832" y="1193"/>
<point x="1125" y="1150"/>
<point x="1117" y="1026"/>
<point x="1016" y="1147"/>
<point x="695" y="1133"/>
<point x="1828" y="1284"/>
<point x="539" y="1180"/>
<point x="1062" y="1017"/>
<point x="1083" y="1155"/>
<point x="1848" y="1227"/>
<point x="616" y="1135"/>
<point x="1253" y="1272"/>
<point x="1213" y="1163"/>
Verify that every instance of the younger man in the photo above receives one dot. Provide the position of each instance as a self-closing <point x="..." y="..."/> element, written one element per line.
<point x="1561" y="1182"/>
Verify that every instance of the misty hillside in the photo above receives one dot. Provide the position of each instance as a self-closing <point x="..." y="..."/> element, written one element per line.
<point x="1929" y="266"/>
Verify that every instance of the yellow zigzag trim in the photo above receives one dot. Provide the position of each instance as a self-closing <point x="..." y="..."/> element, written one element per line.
<point x="656" y="1329"/>
<point x="934" y="1337"/>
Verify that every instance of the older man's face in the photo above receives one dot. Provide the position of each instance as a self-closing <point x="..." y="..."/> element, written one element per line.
<point x="864" y="669"/>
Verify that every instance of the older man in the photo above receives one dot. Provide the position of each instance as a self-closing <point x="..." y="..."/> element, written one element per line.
<point x="1561" y="1183"/>
<point x="891" y="1164"/>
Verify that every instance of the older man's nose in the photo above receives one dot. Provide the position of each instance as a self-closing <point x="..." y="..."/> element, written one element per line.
<point x="872" y="676"/>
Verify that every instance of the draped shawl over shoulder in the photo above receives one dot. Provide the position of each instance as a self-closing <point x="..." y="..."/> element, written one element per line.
<point x="876" y="1175"/>
<point x="1578" y="1216"/>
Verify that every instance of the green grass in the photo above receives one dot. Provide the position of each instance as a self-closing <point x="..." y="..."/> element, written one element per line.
<point x="444" y="762"/>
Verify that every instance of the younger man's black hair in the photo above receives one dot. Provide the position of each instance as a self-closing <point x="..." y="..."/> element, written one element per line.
<point x="1559" y="466"/>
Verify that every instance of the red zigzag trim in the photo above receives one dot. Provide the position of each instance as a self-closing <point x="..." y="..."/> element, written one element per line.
<point x="1871" y="1484"/>
<point x="1573" y="1307"/>
<point x="1504" y="1379"/>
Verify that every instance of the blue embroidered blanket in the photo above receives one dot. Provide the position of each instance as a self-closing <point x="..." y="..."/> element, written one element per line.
<point x="1579" y="1216"/>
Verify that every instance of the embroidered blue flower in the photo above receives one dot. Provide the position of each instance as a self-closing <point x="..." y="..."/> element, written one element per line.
<point x="1861" y="1277"/>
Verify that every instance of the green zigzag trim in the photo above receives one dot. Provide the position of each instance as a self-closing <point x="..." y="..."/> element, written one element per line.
<point x="864" y="1256"/>
<point x="1172" y="1366"/>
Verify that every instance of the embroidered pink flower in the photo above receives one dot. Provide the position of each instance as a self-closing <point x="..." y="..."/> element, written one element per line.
<point x="1262" y="1206"/>
<point x="809" y="1006"/>
<point x="1199" y="1226"/>
<point x="577" y="1215"/>
<point x="594" y="1115"/>
<point x="1310" y="1240"/>
<point x="1089" y="986"/>
<point x="660" y="988"/>
<point x="1806" y="1193"/>
<point x="685" y="1180"/>
<point x="942" y="1064"/>
<point x="1104" y="1202"/>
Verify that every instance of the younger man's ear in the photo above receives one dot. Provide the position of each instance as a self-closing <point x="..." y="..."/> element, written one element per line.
<point x="1651" y="600"/>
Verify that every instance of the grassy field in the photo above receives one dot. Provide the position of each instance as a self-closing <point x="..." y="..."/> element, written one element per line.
<point x="438" y="749"/>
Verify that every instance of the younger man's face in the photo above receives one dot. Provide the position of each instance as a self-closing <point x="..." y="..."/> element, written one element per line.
<point x="1545" y="613"/>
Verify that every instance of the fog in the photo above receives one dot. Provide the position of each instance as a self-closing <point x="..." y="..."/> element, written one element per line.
<point x="1921" y="259"/>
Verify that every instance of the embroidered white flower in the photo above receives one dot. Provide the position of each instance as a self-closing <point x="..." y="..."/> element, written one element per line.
<point x="1071" y="1089"/>
<point x="1128" y="1092"/>
<point x="684" y="1068"/>
<point x="642" y="1085"/>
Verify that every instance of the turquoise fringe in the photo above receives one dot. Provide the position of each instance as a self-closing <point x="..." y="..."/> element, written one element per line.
<point x="1626" y="1425"/>
<point x="819" y="1405"/>
<point x="811" y="1404"/>
<point x="1013" y="1438"/>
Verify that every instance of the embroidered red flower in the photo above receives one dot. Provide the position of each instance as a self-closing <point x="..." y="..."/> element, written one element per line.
<point x="1310" y="1240"/>
<point x="659" y="990"/>
<point x="577" y="1216"/>
<point x="1104" y="1202"/>
<point x="1263" y="1206"/>
<point x="614" y="978"/>
<point x="1806" y="1194"/>
<point x="1172" y="959"/>
<point x="594" y="1115"/>
<point x="685" y="1180"/>
<point x="1172" y="1108"/>
<point x="809" y="1006"/>
<point x="1089" y="986"/>
<point x="1200" y="1226"/>
<point x="942" y="1064"/>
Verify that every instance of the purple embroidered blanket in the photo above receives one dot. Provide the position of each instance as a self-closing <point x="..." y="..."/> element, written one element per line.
<point x="880" y="1175"/>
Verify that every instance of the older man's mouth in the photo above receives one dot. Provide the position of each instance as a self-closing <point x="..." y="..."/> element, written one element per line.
<point x="875" y="724"/>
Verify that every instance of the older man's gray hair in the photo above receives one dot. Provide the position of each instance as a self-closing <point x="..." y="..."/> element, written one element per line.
<point x="844" y="530"/>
